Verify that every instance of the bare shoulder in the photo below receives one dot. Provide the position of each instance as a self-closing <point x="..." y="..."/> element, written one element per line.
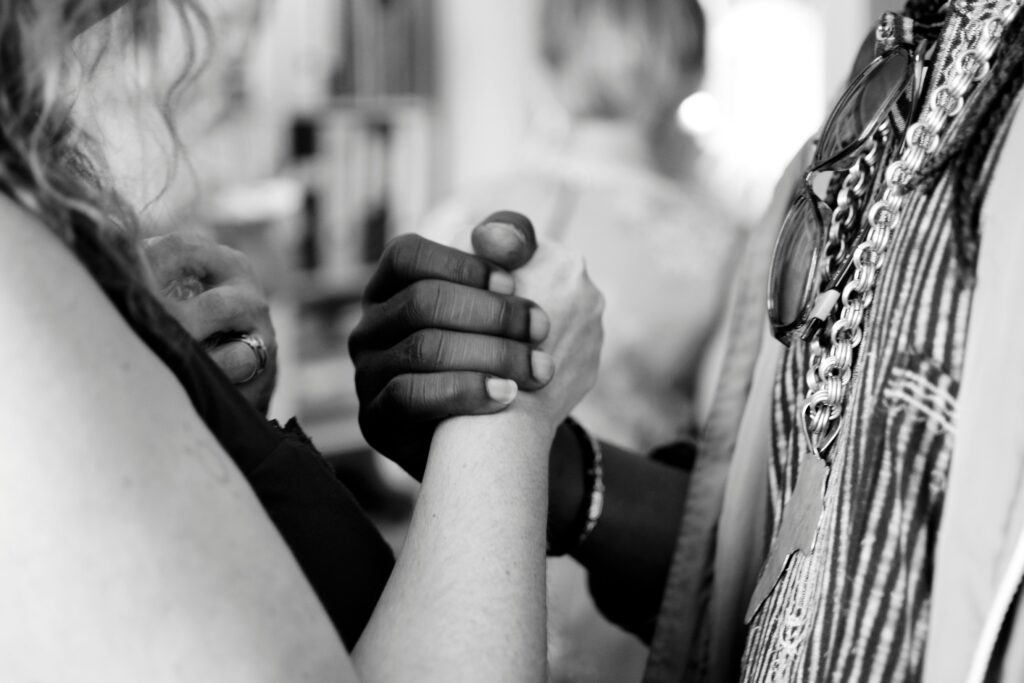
<point x="65" y="347"/>
<point x="131" y="542"/>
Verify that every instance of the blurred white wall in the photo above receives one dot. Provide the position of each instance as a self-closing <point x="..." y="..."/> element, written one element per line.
<point x="766" y="69"/>
<point x="774" y="67"/>
<point x="486" y="54"/>
<point x="846" y="24"/>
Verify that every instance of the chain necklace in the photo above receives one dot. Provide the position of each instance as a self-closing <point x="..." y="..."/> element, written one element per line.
<point x="854" y="187"/>
<point x="831" y="370"/>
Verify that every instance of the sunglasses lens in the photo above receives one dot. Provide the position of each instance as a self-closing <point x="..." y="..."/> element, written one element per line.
<point x="794" y="263"/>
<point x="866" y="104"/>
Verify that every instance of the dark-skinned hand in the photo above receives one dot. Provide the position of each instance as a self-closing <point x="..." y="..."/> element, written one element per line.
<point x="443" y="334"/>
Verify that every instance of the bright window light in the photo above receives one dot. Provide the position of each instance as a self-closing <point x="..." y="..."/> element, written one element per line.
<point x="698" y="114"/>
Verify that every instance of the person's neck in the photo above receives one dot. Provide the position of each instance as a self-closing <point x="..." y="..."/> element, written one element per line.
<point x="670" y="152"/>
<point x="609" y="141"/>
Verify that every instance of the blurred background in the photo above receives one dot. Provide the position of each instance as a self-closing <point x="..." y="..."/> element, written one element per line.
<point x="320" y="129"/>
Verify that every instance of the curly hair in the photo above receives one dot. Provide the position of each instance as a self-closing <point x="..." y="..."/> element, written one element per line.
<point x="48" y="163"/>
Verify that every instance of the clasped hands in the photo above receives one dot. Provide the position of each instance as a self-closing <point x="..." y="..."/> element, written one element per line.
<point x="445" y="332"/>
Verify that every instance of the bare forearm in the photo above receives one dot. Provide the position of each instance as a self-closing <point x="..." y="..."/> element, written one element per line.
<point x="467" y="594"/>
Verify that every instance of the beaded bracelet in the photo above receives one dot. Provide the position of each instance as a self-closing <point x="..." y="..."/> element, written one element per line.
<point x="593" y="484"/>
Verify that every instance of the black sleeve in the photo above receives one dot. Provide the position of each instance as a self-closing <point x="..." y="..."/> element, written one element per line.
<point x="337" y="546"/>
<point x="340" y="551"/>
<point x="626" y="594"/>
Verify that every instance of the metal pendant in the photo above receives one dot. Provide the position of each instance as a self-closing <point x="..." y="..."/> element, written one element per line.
<point x="798" y="527"/>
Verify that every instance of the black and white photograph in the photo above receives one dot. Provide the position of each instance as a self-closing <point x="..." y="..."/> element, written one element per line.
<point x="511" y="341"/>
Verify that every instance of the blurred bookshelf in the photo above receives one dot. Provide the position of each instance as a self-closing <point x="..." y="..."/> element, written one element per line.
<point x="365" y="157"/>
<point x="387" y="48"/>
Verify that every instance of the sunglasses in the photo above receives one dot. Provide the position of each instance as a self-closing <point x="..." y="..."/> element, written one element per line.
<point x="811" y="262"/>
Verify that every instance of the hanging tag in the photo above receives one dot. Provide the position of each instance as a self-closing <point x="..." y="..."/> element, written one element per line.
<point x="800" y="519"/>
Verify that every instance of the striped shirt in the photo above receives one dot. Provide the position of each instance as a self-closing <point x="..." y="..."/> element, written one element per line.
<point x="857" y="608"/>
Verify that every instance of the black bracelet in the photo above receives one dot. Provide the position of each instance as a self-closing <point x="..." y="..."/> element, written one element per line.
<point x="593" y="501"/>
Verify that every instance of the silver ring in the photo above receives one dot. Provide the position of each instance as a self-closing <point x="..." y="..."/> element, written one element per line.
<point x="259" y="348"/>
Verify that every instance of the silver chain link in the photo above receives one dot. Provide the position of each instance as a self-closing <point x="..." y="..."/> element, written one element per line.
<point x="831" y="368"/>
<point x="854" y="186"/>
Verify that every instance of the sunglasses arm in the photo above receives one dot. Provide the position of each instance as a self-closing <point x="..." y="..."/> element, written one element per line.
<point x="820" y="312"/>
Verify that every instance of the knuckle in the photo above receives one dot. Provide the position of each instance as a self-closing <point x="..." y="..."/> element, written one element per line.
<point x="505" y="313"/>
<point x="403" y="252"/>
<point x="215" y="305"/>
<point x="413" y="309"/>
<point x="464" y="268"/>
<point x="356" y="343"/>
<point x="406" y="242"/>
<point x="398" y="394"/>
<point x="425" y="349"/>
<point x="425" y="304"/>
<point x="436" y="350"/>
<point x="364" y="380"/>
<point x="447" y="390"/>
<point x="369" y="333"/>
<point x="371" y="425"/>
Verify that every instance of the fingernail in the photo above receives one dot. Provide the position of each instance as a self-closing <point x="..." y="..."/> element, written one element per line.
<point x="500" y="242"/>
<point x="501" y="283"/>
<point x="502" y="390"/>
<point x="509" y="236"/>
<point x="543" y="366"/>
<point x="540" y="325"/>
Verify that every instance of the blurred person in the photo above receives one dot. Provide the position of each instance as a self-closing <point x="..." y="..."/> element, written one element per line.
<point x="660" y="246"/>
<point x="155" y="525"/>
<point x="852" y="510"/>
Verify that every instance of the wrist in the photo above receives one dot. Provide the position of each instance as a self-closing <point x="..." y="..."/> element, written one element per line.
<point x="576" y="489"/>
<point x="565" y="483"/>
<point x="469" y="443"/>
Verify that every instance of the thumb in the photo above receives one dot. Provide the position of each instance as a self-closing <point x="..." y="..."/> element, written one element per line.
<point x="506" y="239"/>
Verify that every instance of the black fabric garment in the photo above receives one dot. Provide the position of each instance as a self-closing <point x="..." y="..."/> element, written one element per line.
<point x="633" y="606"/>
<point x="341" y="552"/>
